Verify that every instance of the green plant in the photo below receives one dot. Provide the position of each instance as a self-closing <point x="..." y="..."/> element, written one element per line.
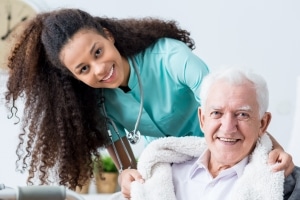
<point x="106" y="163"/>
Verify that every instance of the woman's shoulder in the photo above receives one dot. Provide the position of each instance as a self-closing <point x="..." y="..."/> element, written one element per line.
<point x="171" y="42"/>
<point x="168" y="45"/>
<point x="163" y="48"/>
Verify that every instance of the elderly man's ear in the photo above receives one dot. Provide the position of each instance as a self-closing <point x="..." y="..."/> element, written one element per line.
<point x="265" y="121"/>
<point x="200" y="118"/>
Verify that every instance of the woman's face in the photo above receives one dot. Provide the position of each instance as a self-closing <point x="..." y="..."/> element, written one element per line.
<point x="94" y="60"/>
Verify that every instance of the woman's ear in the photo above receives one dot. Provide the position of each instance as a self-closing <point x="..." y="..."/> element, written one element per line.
<point x="108" y="35"/>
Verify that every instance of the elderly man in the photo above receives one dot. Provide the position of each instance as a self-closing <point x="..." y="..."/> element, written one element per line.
<point x="231" y="162"/>
<point x="233" y="118"/>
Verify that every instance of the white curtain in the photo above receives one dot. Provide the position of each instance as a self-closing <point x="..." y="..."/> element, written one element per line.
<point x="294" y="144"/>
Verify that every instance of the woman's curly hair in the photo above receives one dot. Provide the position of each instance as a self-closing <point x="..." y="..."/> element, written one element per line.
<point x="62" y="125"/>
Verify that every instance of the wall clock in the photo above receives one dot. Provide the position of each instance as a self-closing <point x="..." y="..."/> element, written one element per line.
<point x="12" y="14"/>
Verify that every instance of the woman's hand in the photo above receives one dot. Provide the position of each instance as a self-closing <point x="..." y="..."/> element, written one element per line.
<point x="282" y="160"/>
<point x="126" y="177"/>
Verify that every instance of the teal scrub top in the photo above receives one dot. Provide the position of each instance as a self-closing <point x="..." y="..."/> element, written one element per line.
<point x="171" y="75"/>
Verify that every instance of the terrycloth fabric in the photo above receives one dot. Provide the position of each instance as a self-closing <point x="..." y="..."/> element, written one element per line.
<point x="257" y="182"/>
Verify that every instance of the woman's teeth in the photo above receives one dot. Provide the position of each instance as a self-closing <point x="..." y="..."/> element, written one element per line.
<point x="109" y="75"/>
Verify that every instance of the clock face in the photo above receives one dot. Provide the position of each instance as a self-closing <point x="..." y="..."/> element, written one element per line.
<point x="12" y="14"/>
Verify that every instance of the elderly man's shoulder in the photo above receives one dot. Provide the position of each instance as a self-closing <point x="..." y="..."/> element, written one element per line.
<point x="292" y="185"/>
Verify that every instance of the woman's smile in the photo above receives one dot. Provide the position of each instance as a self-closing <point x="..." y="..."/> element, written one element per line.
<point x="109" y="75"/>
<point x="94" y="60"/>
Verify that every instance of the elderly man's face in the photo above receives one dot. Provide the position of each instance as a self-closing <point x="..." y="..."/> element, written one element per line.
<point x="231" y="122"/>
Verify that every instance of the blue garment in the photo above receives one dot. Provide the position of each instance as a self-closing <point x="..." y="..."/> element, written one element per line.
<point x="171" y="76"/>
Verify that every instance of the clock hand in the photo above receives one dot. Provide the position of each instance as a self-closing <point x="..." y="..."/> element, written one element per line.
<point x="8" y="21"/>
<point x="13" y="28"/>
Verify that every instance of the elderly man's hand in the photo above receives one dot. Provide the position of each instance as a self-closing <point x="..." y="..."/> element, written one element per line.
<point x="283" y="161"/>
<point x="126" y="177"/>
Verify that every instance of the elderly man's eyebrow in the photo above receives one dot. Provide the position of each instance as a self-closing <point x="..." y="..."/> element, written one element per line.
<point x="245" y="108"/>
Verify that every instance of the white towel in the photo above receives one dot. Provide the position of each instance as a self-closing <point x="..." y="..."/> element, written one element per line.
<point x="257" y="182"/>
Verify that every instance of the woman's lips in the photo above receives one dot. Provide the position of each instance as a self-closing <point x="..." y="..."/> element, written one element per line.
<point x="109" y="74"/>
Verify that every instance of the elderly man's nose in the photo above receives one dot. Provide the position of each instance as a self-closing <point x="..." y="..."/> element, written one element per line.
<point x="229" y="123"/>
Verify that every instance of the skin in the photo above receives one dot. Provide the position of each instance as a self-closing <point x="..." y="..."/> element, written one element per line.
<point x="94" y="60"/>
<point x="231" y="124"/>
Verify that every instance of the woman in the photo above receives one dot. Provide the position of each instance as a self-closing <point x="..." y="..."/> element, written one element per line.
<point x="82" y="75"/>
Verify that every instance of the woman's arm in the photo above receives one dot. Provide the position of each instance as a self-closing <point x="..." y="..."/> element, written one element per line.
<point x="278" y="155"/>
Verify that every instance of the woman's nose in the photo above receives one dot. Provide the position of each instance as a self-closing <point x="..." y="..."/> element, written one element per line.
<point x="98" y="68"/>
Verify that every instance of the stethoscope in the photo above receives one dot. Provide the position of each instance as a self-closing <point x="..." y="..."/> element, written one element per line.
<point x="133" y="136"/>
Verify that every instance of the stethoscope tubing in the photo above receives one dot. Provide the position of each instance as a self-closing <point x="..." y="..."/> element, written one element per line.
<point x="132" y="136"/>
<point x="141" y="97"/>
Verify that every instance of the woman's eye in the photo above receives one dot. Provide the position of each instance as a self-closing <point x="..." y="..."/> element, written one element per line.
<point x="98" y="52"/>
<point x="84" y="69"/>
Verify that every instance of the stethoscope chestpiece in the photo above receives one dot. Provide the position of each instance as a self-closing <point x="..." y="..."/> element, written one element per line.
<point x="133" y="136"/>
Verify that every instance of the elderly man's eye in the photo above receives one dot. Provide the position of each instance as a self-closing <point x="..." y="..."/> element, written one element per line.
<point x="215" y="114"/>
<point x="243" y="116"/>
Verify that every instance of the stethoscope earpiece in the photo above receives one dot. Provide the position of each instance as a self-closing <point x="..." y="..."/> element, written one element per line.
<point x="133" y="136"/>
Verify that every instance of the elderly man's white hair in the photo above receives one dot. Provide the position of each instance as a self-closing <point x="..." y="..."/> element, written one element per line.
<point x="237" y="76"/>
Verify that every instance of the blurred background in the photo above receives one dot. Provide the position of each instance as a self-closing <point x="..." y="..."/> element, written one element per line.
<point x="263" y="35"/>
